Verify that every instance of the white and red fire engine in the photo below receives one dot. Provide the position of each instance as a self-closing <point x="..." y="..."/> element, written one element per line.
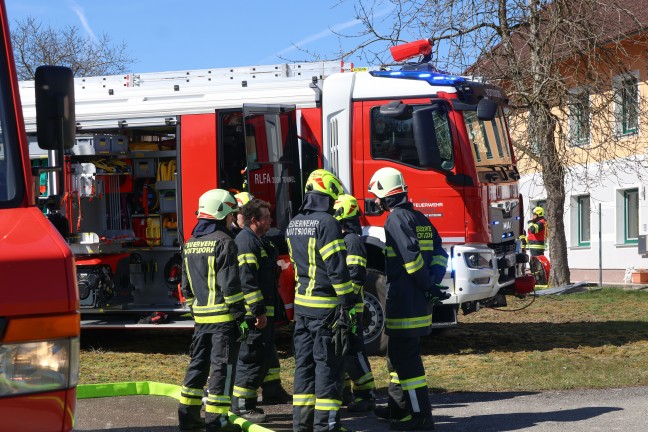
<point x="148" y="145"/>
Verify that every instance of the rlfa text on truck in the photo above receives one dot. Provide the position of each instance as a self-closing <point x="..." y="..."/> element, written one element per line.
<point x="148" y="145"/>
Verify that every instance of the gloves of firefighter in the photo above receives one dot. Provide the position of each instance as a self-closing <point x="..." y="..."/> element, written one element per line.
<point x="244" y="329"/>
<point x="436" y="294"/>
<point x="345" y="332"/>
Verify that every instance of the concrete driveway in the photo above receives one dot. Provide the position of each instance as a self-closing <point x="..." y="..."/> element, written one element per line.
<point x="623" y="409"/>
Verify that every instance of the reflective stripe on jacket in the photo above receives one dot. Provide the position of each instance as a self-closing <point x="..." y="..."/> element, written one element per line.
<point x="357" y="263"/>
<point x="210" y="278"/>
<point x="318" y="254"/>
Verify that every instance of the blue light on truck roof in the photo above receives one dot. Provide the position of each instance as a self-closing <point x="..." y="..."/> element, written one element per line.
<point x="433" y="78"/>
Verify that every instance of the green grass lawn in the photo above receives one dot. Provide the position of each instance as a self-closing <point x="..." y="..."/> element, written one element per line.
<point x="595" y="339"/>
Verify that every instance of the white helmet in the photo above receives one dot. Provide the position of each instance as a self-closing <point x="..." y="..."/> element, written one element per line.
<point x="216" y="204"/>
<point x="387" y="181"/>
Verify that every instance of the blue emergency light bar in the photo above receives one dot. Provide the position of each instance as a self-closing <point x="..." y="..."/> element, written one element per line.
<point x="432" y="78"/>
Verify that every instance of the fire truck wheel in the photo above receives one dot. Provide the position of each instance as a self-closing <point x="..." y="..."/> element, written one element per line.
<point x="375" y="293"/>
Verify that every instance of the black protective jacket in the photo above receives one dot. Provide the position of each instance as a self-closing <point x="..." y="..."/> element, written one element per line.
<point x="258" y="273"/>
<point x="356" y="260"/>
<point x="415" y="261"/>
<point x="318" y="254"/>
<point x="210" y="276"/>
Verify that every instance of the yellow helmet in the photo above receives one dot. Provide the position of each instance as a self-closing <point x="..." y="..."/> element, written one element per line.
<point x="387" y="181"/>
<point x="216" y="204"/>
<point x="243" y="198"/>
<point x="346" y="207"/>
<point x="538" y="211"/>
<point x="325" y="182"/>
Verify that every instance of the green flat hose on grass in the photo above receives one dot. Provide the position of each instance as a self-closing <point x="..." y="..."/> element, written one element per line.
<point x="144" y="388"/>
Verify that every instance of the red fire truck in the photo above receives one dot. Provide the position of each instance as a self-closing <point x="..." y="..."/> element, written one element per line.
<point x="39" y="310"/>
<point x="148" y="145"/>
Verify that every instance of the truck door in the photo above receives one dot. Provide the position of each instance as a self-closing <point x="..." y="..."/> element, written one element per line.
<point x="273" y="168"/>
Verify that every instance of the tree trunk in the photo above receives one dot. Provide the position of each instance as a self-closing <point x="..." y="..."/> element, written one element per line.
<point x="553" y="174"/>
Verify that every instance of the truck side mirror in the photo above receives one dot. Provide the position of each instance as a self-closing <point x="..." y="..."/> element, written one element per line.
<point x="425" y="138"/>
<point x="396" y="109"/>
<point x="486" y="109"/>
<point x="55" y="120"/>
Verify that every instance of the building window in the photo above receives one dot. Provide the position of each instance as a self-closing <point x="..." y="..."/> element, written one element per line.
<point x="631" y="215"/>
<point x="626" y="104"/>
<point x="579" y="118"/>
<point x="583" y="202"/>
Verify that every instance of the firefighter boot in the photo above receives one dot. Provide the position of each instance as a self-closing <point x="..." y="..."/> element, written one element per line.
<point x="410" y="423"/>
<point x="218" y="422"/>
<point x="189" y="418"/>
<point x="361" y="405"/>
<point x="246" y="409"/>
<point x="389" y="412"/>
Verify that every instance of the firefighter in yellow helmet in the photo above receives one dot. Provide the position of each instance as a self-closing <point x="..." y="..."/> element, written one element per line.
<point x="358" y="369"/>
<point x="324" y="304"/>
<point x="536" y="232"/>
<point x="415" y="265"/>
<point x="211" y="285"/>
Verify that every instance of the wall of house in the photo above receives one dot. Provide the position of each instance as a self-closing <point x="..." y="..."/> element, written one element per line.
<point x="617" y="254"/>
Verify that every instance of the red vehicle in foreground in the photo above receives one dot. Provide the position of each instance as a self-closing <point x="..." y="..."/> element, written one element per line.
<point x="39" y="318"/>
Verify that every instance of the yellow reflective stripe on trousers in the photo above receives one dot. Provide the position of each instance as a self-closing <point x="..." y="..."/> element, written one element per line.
<point x="414" y="266"/>
<point x="273" y="375"/>
<point x="409" y="323"/>
<point x="329" y="249"/>
<point x="316" y="301"/>
<point x="327" y="404"/>
<point x="270" y="311"/>
<point x="248" y="258"/>
<point x="304" y="399"/>
<point x="413" y="383"/>
<point x="356" y="260"/>
<point x="241" y="392"/>
<point x="312" y="266"/>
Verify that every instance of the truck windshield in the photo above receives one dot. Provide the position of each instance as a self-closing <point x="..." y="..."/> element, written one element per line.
<point x="393" y="138"/>
<point x="489" y="139"/>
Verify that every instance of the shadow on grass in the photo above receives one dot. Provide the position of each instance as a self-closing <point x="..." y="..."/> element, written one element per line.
<point x="513" y="337"/>
<point x="474" y="338"/>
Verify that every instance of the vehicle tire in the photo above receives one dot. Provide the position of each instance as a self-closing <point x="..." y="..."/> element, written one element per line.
<point x="374" y="317"/>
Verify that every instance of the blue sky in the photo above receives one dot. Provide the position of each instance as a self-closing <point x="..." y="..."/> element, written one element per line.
<point x="166" y="35"/>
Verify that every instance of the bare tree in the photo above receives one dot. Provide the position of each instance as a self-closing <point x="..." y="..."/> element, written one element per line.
<point x="34" y="45"/>
<point x="554" y="58"/>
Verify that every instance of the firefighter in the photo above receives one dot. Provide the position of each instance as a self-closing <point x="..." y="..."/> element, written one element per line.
<point x="357" y="366"/>
<point x="272" y="390"/>
<point x="324" y="306"/>
<point x="259" y="285"/>
<point x="211" y="285"/>
<point x="415" y="265"/>
<point x="536" y="232"/>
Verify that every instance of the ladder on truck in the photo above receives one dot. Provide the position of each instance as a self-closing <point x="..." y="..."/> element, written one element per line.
<point x="217" y="76"/>
<point x="106" y="101"/>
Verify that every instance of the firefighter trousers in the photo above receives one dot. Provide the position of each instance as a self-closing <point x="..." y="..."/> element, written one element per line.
<point x="408" y="386"/>
<point x="271" y="385"/>
<point x="359" y="370"/>
<point x="252" y="366"/>
<point x="317" y="392"/>
<point x="217" y="352"/>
